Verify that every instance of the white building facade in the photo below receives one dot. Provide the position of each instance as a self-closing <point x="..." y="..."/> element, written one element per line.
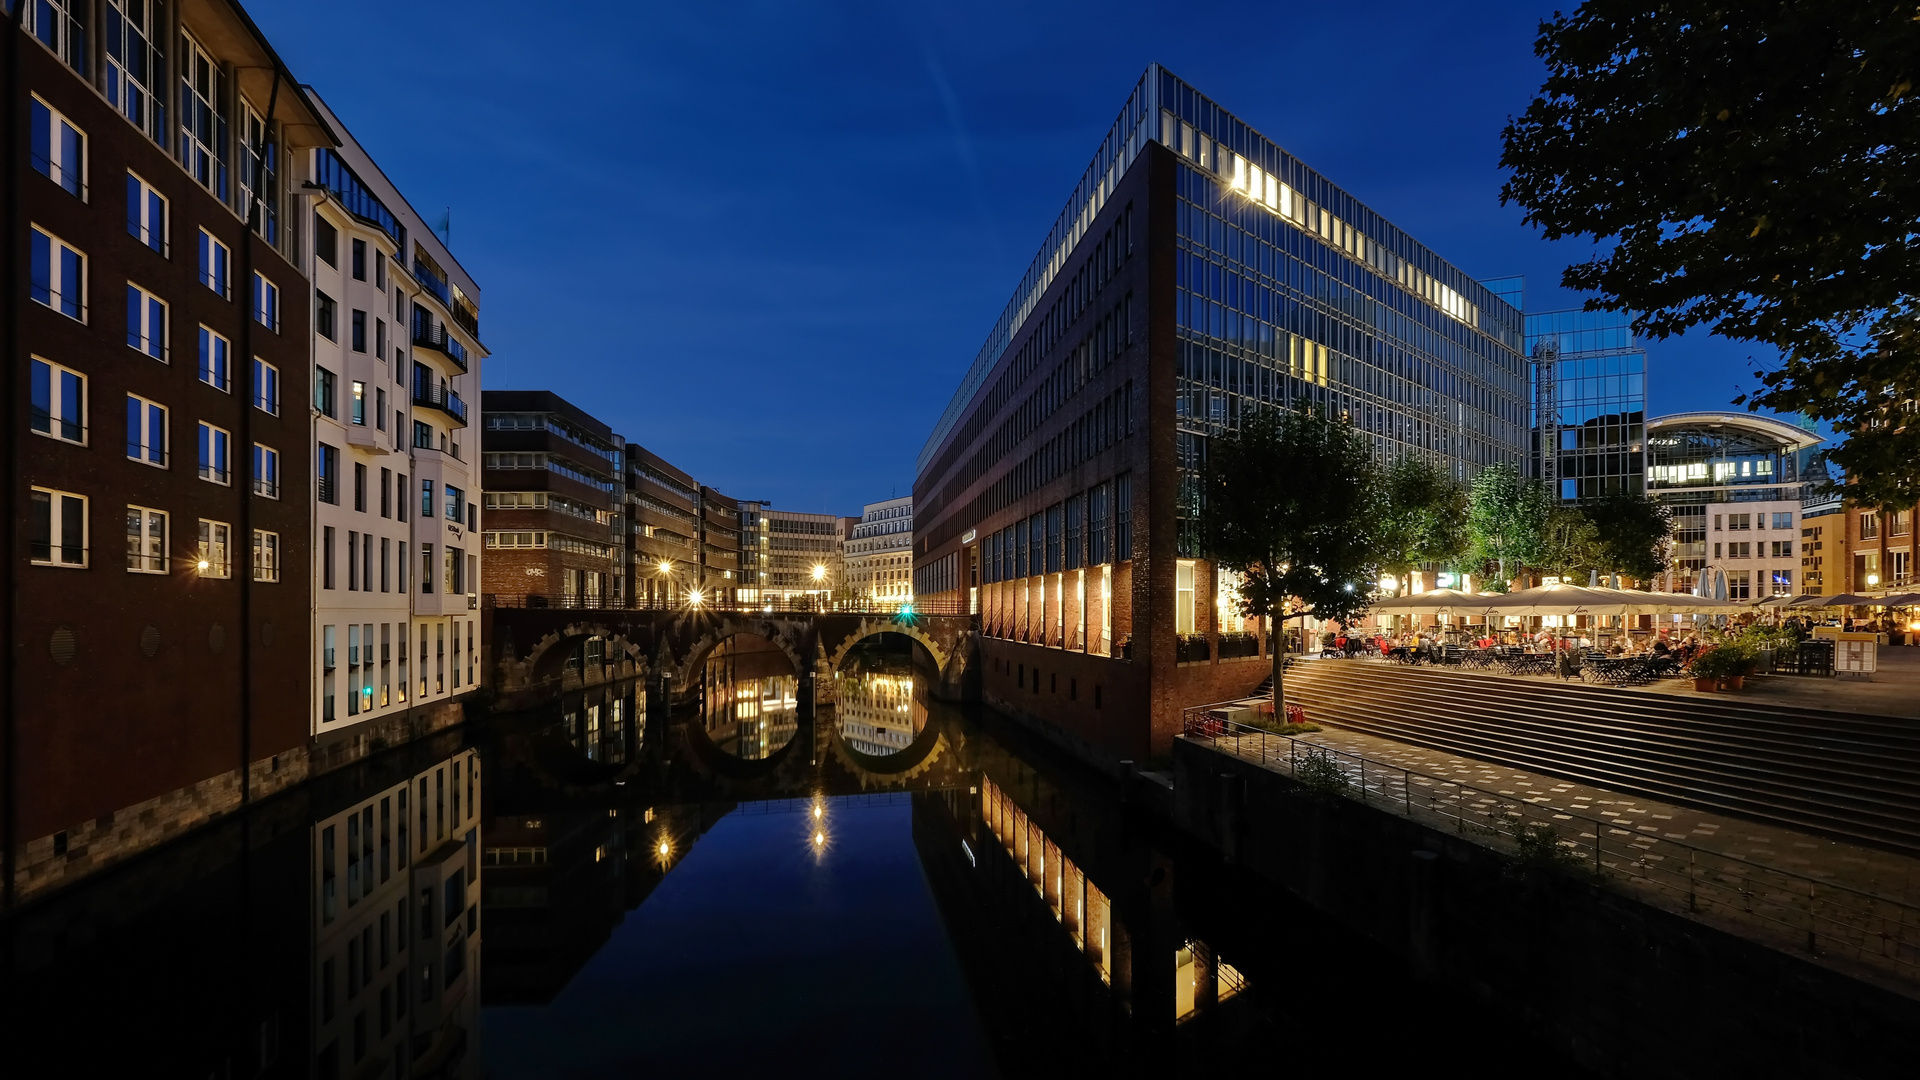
<point x="397" y="359"/>
<point x="879" y="555"/>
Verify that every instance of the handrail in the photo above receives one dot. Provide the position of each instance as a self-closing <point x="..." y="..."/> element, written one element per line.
<point x="1867" y="927"/>
<point x="796" y="606"/>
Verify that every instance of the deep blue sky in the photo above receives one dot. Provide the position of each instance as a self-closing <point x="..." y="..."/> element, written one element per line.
<point x="766" y="240"/>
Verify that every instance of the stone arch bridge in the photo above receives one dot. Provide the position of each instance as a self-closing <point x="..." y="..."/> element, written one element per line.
<point x="532" y="648"/>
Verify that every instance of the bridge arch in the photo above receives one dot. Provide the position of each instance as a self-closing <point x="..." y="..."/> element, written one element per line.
<point x="549" y="655"/>
<point x="868" y="628"/>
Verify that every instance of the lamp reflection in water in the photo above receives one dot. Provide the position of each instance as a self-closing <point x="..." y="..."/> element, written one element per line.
<point x="817" y="825"/>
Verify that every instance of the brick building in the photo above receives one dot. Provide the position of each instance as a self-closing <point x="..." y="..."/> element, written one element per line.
<point x="553" y="501"/>
<point x="157" y="453"/>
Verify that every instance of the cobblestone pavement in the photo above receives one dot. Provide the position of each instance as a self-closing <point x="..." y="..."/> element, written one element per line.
<point x="1856" y="903"/>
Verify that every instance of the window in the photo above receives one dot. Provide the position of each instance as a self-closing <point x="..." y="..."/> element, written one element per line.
<point x="136" y="66"/>
<point x="326" y="241"/>
<point x="400" y="497"/>
<point x="266" y="387"/>
<point x="146" y="214"/>
<point x="59" y="523"/>
<point x="426" y="581"/>
<point x="213" y="454"/>
<point x="323" y="391"/>
<point x="326" y="579"/>
<point x="1123" y="517"/>
<point x="359" y="402"/>
<point x="266" y="471"/>
<point x="214" y="258"/>
<point x="380" y="408"/>
<point x="146" y="431"/>
<point x="60" y="29"/>
<point x="213" y="359"/>
<point x="259" y="158"/>
<point x="1739" y="522"/>
<point x="324" y="313"/>
<point x="359" y="260"/>
<point x="146" y="323"/>
<point x="379" y="269"/>
<point x="266" y="555"/>
<point x="59" y="402"/>
<point x="59" y="150"/>
<point x="422" y="435"/>
<point x="203" y="117"/>
<point x="1183" y="597"/>
<point x="1739" y="584"/>
<point x="215" y="559"/>
<point x="359" y="328"/>
<point x="1783" y="549"/>
<point x="266" y="302"/>
<point x="426" y="499"/>
<point x="1782" y="583"/>
<point x="516" y="539"/>
<point x="380" y="338"/>
<point x="1742" y="549"/>
<point x="146" y="541"/>
<point x="328" y="466"/>
<point x="1783" y="520"/>
<point x="1897" y="523"/>
<point x="456" y="501"/>
<point x="59" y="275"/>
<point x="1869" y="526"/>
<point x="360" y="487"/>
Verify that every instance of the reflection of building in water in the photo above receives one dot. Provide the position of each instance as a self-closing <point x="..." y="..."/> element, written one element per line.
<point x="879" y="714"/>
<point x="750" y="703"/>
<point x="396" y="950"/>
<point x="606" y="724"/>
<point x="559" y="881"/>
<point x="1078" y="903"/>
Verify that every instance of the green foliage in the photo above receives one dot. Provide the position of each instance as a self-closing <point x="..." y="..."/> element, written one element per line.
<point x="1287" y="503"/>
<point x="1537" y="846"/>
<point x="1635" y="535"/>
<point x="1507" y="520"/>
<point x="1318" y="773"/>
<point x="1570" y="544"/>
<point x="1422" y="516"/>
<point x="1279" y="727"/>
<point x="1753" y="169"/>
<point x="1724" y="661"/>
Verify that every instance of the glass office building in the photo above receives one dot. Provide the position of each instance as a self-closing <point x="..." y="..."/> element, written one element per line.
<point x="1198" y="272"/>
<point x="1735" y="484"/>
<point x="1590" y="410"/>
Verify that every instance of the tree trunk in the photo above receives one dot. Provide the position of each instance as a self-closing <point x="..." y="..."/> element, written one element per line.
<point x="1277" y="650"/>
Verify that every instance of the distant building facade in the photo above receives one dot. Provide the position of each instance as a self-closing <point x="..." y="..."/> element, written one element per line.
<point x="878" y="553"/>
<point x="554" y="501"/>
<point x="1736" y="485"/>
<point x="796" y="555"/>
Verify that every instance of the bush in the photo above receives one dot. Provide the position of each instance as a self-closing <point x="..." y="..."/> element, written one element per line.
<point x="1724" y="661"/>
<point x="1269" y="724"/>
<point x="1537" y="846"/>
<point x="1319" y="774"/>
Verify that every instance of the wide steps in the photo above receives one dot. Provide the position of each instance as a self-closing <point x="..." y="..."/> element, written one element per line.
<point x="1849" y="776"/>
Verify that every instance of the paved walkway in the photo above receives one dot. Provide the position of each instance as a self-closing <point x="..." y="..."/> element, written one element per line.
<point x="1859" y="906"/>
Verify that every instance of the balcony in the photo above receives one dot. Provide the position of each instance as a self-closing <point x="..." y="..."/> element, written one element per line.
<point x="431" y="333"/>
<point x="436" y="396"/>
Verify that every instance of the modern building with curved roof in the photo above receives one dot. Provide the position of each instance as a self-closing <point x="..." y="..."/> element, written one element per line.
<point x="1736" y="484"/>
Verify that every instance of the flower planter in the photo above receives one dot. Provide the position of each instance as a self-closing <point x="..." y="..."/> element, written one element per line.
<point x="1706" y="685"/>
<point x="1735" y="682"/>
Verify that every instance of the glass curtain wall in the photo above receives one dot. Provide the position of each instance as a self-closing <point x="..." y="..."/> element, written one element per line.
<point x="1599" y="403"/>
<point x="1291" y="293"/>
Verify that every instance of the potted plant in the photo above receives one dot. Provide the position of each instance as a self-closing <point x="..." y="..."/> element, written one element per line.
<point x="1724" y="666"/>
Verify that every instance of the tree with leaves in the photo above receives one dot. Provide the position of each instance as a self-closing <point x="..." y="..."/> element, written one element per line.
<point x="1753" y="169"/>
<point x="1288" y="502"/>
<point x="1422" y="516"/>
<point x="1636" y="535"/>
<point x="1507" y="521"/>
<point x="1570" y="545"/>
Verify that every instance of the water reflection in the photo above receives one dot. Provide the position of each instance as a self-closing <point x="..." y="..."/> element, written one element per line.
<point x="571" y="898"/>
<point x="749" y="697"/>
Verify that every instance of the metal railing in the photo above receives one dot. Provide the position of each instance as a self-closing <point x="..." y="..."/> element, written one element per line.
<point x="796" y="605"/>
<point x="1817" y="915"/>
<point x="436" y="396"/>
<point x="1190" y="648"/>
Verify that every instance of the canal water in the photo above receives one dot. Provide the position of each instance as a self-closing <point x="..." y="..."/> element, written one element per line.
<point x="605" y="887"/>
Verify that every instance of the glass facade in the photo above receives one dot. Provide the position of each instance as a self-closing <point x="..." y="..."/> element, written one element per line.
<point x="1590" y="411"/>
<point x="1291" y="292"/>
<point x="1717" y="473"/>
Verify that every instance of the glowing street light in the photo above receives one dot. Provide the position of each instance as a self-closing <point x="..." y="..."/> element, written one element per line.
<point x="819" y="572"/>
<point x="693" y="597"/>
